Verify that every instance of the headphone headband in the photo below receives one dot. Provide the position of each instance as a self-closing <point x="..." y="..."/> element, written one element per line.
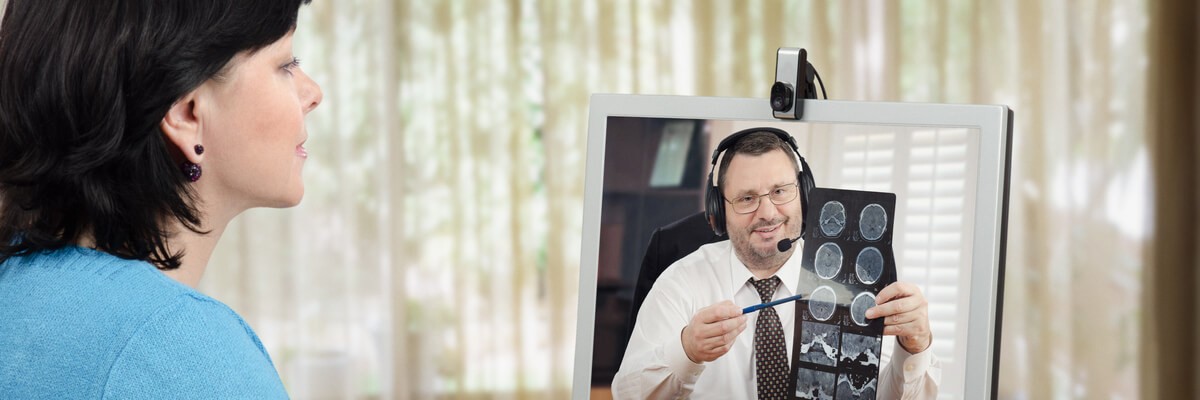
<point x="714" y="202"/>
<point x="732" y="139"/>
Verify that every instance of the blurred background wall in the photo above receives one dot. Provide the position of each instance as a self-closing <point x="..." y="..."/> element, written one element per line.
<point x="436" y="252"/>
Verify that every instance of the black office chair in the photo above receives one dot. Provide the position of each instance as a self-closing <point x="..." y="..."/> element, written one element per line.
<point x="667" y="245"/>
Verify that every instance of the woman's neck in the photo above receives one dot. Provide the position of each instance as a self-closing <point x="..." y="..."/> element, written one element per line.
<point x="197" y="250"/>
<point x="197" y="247"/>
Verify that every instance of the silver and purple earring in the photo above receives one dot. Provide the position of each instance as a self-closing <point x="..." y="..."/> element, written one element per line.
<point x="191" y="170"/>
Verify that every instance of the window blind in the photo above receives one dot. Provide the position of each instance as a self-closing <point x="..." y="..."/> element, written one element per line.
<point x="929" y="170"/>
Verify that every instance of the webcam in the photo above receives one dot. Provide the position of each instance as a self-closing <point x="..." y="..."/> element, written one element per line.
<point x="793" y="83"/>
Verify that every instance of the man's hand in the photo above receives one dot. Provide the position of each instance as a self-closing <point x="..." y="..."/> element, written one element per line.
<point x="905" y="314"/>
<point x="712" y="331"/>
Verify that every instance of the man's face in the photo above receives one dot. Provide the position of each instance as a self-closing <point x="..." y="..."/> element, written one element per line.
<point x="756" y="235"/>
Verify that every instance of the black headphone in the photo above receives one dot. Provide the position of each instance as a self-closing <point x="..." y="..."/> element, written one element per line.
<point x="714" y="200"/>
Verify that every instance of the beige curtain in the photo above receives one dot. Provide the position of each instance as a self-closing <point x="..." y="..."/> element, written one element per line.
<point x="1170" y="353"/>
<point x="436" y="252"/>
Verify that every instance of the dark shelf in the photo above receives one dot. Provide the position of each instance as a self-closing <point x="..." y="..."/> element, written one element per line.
<point x="632" y="210"/>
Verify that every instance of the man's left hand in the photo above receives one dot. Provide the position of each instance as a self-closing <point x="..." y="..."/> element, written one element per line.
<point x="905" y="314"/>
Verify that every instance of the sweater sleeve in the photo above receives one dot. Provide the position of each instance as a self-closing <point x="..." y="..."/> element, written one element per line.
<point x="193" y="347"/>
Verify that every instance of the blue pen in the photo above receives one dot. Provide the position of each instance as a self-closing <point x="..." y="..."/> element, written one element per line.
<point x="757" y="307"/>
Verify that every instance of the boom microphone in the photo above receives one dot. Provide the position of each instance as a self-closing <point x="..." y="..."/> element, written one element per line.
<point x="786" y="244"/>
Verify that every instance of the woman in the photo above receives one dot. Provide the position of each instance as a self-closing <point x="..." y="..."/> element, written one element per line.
<point x="131" y="133"/>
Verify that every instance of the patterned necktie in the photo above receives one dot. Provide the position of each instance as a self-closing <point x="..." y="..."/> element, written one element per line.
<point x="770" y="352"/>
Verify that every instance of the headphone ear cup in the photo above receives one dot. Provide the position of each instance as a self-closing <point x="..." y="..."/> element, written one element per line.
<point x="713" y="209"/>
<point x="807" y="183"/>
<point x="804" y="188"/>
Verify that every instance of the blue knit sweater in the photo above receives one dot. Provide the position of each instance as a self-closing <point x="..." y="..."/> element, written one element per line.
<point x="77" y="323"/>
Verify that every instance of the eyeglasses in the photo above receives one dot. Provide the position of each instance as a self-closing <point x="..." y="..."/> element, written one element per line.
<point x="748" y="203"/>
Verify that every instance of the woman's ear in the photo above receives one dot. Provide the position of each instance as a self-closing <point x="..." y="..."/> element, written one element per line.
<point x="181" y="126"/>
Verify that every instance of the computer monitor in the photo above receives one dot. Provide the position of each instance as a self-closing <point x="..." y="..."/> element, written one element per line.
<point x="647" y="163"/>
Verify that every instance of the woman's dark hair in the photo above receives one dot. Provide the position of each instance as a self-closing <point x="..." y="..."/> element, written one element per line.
<point x="83" y="88"/>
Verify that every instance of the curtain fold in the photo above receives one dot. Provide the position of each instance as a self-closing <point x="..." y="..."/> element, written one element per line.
<point x="1170" y="354"/>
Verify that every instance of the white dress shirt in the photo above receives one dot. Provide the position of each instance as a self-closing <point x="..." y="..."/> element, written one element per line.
<point x="655" y="365"/>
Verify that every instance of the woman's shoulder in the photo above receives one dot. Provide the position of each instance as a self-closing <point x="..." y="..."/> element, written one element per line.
<point x="77" y="279"/>
<point x="194" y="320"/>
<point x="120" y="319"/>
<point x="194" y="344"/>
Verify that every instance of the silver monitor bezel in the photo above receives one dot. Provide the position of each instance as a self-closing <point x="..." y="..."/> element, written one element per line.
<point x="994" y="123"/>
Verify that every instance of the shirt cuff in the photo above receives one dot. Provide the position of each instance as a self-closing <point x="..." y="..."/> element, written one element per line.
<point x="678" y="361"/>
<point x="914" y="366"/>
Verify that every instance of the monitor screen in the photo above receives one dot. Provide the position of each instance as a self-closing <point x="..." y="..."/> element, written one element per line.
<point x="648" y="164"/>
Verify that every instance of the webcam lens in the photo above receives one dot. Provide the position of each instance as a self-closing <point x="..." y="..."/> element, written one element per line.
<point x="782" y="96"/>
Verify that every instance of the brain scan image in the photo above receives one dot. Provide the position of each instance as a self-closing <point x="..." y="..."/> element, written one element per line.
<point x="815" y="385"/>
<point x="848" y="260"/>
<point x="833" y="218"/>
<point x="868" y="267"/>
<point x="822" y="303"/>
<point x="872" y="222"/>
<point x="828" y="261"/>
<point x="819" y="343"/>
<point x="858" y="308"/>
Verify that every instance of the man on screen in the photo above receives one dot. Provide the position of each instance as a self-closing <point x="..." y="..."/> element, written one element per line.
<point x="687" y="341"/>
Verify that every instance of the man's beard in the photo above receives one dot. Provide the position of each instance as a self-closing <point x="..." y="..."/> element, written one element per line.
<point x="762" y="258"/>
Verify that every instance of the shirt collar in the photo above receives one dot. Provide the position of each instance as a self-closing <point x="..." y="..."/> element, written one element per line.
<point x="789" y="273"/>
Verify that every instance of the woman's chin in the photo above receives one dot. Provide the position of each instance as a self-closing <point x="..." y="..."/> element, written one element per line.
<point x="294" y="200"/>
<point x="289" y="200"/>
